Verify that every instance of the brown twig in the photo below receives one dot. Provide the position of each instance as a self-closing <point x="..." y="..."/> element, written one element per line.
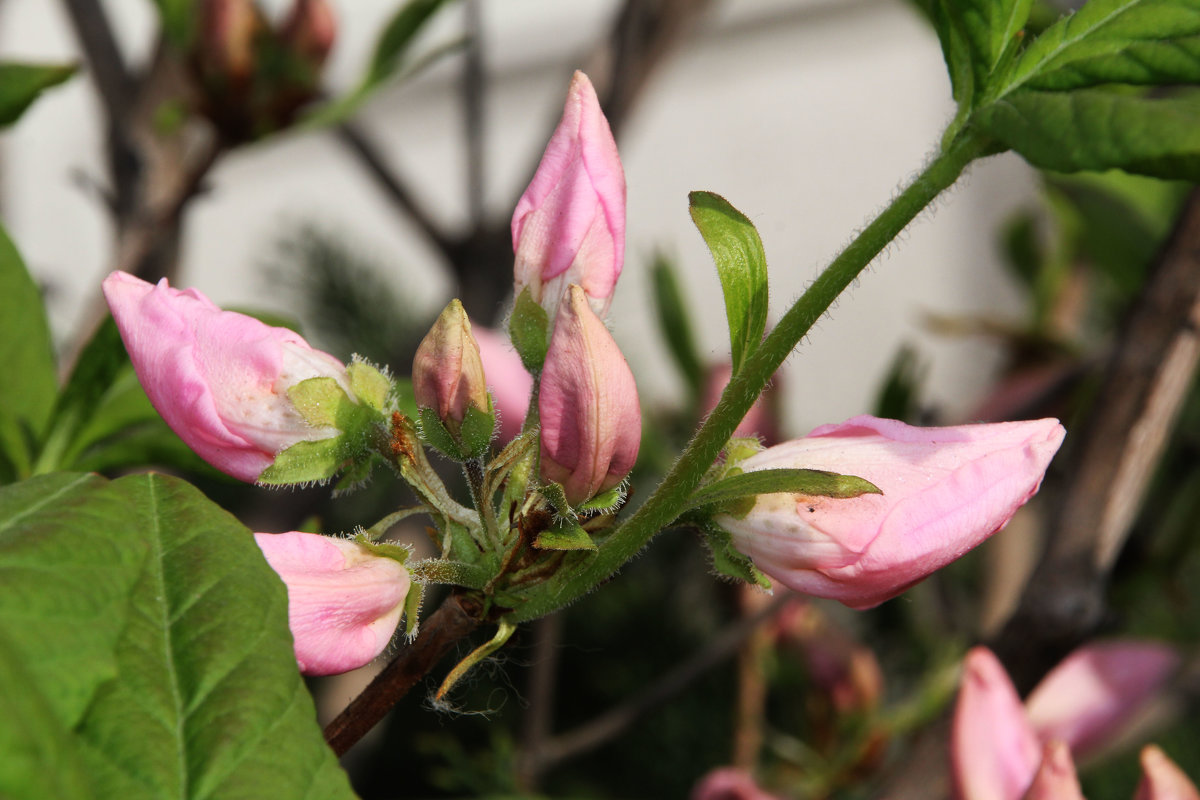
<point x="455" y="619"/>
<point x="610" y="724"/>
<point x="1111" y="459"/>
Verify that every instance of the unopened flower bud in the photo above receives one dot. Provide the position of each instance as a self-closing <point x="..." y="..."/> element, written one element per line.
<point x="1162" y="779"/>
<point x="448" y="371"/>
<point x="569" y="225"/>
<point x="219" y="379"/>
<point x="588" y="405"/>
<point x="344" y="602"/>
<point x="309" y="31"/>
<point x="228" y="30"/>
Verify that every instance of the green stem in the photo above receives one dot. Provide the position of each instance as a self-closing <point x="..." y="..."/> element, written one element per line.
<point x="503" y="633"/>
<point x="662" y="507"/>
<point x="473" y="470"/>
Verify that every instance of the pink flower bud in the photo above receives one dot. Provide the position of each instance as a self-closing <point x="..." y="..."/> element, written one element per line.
<point x="228" y="30"/>
<point x="569" y="226"/>
<point x="1087" y="699"/>
<point x="994" y="753"/>
<point x="344" y="603"/>
<point x="1055" y="778"/>
<point x="218" y="378"/>
<point x="945" y="490"/>
<point x="507" y="379"/>
<point x="729" y="783"/>
<point x="310" y="30"/>
<point x="448" y="371"/>
<point x="1162" y="779"/>
<point x="588" y="405"/>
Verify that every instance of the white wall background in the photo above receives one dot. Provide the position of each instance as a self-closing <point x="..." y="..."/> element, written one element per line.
<point x="805" y="114"/>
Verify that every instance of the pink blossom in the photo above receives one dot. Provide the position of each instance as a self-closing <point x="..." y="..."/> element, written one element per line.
<point x="729" y="783"/>
<point x="1093" y="693"/>
<point x="507" y="379"/>
<point x="1055" y="778"/>
<point x="344" y="603"/>
<point x="569" y="225"/>
<point x="310" y="30"/>
<point x="944" y="491"/>
<point x="994" y="752"/>
<point x="588" y="405"/>
<point x="448" y="369"/>
<point x="218" y="378"/>
<point x="1162" y="779"/>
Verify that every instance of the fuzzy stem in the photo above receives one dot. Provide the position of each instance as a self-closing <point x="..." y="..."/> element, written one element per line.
<point x="662" y="507"/>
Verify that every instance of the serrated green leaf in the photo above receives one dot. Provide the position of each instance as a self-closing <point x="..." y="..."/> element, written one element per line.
<point x="20" y="85"/>
<point x="741" y="264"/>
<point x="308" y="462"/>
<point x="29" y="384"/>
<point x="769" y="481"/>
<point x="1099" y="129"/>
<point x="529" y="330"/>
<point x="41" y="759"/>
<point x="68" y="565"/>
<point x="207" y="701"/>
<point x="1148" y="42"/>
<point x="564" y="535"/>
<point x="675" y="325"/>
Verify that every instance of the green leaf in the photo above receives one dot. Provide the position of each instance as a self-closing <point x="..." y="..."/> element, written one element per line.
<point x="675" y="325"/>
<point x="20" y="85"/>
<point x="529" y="330"/>
<point x="28" y="383"/>
<point x="770" y="481"/>
<point x="68" y="565"/>
<point x="390" y="55"/>
<point x="178" y="21"/>
<point x="564" y="535"/>
<point x="1098" y="129"/>
<point x="955" y="51"/>
<point x="207" y="701"/>
<point x="1148" y="42"/>
<point x="742" y="266"/>
<point x="41" y="759"/>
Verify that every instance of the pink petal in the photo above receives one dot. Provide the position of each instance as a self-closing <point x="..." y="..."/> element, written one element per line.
<point x="507" y="379"/>
<point x="1056" y="778"/>
<point x="1162" y="779"/>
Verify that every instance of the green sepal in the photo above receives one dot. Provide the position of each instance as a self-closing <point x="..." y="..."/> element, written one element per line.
<point x="412" y="610"/>
<point x="458" y="544"/>
<point x="727" y="560"/>
<point x="369" y="384"/>
<point x="323" y="403"/>
<point x="453" y="573"/>
<point x="556" y="496"/>
<point x="357" y="475"/>
<point x="564" y="535"/>
<point x="529" y="329"/>
<point x="309" y="462"/>
<point x="818" y="482"/>
<point x="478" y="428"/>
<point x="396" y="552"/>
<point x="605" y="502"/>
<point x="433" y="432"/>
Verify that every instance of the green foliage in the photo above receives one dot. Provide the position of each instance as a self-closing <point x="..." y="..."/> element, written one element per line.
<point x="390" y="56"/>
<point x="178" y="18"/>
<point x="156" y="635"/>
<point x="20" y="85"/>
<point x="742" y="266"/>
<point x="28" y="384"/>
<point x="675" y="325"/>
<point x="769" y="481"/>
<point x="564" y="535"/>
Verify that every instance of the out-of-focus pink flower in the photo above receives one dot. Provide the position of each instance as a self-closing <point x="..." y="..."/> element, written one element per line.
<point x="569" y="225"/>
<point x="1090" y="696"/>
<point x="1162" y="779"/>
<point x="218" y="378"/>
<point x="759" y="421"/>
<point x="729" y="783"/>
<point x="994" y="752"/>
<point x="945" y="490"/>
<point x="1055" y="778"/>
<point x="344" y="603"/>
<point x="844" y="668"/>
<point x="588" y="405"/>
<point x="507" y="379"/>
<point x="310" y="30"/>
<point x="448" y="370"/>
<point x="228" y="29"/>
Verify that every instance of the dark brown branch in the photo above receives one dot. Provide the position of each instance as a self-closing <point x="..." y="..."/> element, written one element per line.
<point x="455" y="619"/>
<point x="1111" y="460"/>
<point x="474" y="91"/>
<point x="611" y="724"/>
<point x="106" y="65"/>
<point x="369" y="157"/>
